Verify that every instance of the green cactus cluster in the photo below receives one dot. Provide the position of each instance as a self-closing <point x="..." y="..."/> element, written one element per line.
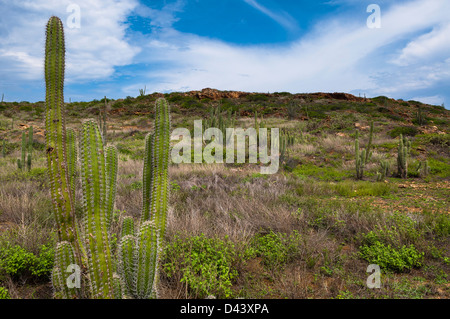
<point x="85" y="240"/>
<point x="362" y="157"/>
<point x="420" y="118"/>
<point x="404" y="146"/>
<point x="27" y="150"/>
<point x="384" y="168"/>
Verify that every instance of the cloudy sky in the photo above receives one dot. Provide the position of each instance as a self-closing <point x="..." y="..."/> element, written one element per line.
<point x="116" y="47"/>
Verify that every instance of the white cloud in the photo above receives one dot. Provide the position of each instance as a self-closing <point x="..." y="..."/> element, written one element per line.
<point x="281" y="17"/>
<point x="338" y="55"/>
<point x="432" y="45"/>
<point x="92" y="50"/>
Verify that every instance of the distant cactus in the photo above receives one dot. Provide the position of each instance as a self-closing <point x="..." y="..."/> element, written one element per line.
<point x="384" y="168"/>
<point x="420" y="118"/>
<point x="26" y="150"/>
<point x="142" y="91"/>
<point x="362" y="157"/>
<point x="404" y="147"/>
<point x="423" y="169"/>
<point x="4" y="148"/>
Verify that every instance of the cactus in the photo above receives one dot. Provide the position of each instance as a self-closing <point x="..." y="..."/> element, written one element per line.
<point x="96" y="199"/>
<point x="24" y="150"/>
<point x="64" y="257"/>
<point x="404" y="146"/>
<point x="138" y="254"/>
<point x="362" y="157"/>
<point x="102" y="122"/>
<point x="88" y="244"/>
<point x="384" y="167"/>
<point x="420" y="119"/>
<point x="142" y="91"/>
<point x="27" y="150"/>
<point x="423" y="169"/>
<point x="55" y="131"/>
<point x="30" y="147"/>
<point x="4" y="148"/>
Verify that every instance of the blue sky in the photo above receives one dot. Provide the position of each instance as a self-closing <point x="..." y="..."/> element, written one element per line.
<point x="296" y="46"/>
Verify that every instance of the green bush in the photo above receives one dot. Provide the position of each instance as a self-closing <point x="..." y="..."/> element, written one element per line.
<point x="390" y="258"/>
<point x="4" y="293"/>
<point x="276" y="249"/>
<point x="404" y="130"/>
<point x="205" y="265"/>
<point x="16" y="261"/>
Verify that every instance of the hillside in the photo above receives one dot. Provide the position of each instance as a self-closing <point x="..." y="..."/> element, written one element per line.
<point x="309" y="231"/>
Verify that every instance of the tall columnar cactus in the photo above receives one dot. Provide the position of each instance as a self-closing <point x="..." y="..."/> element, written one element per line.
<point x="55" y="132"/>
<point x="4" y="148"/>
<point x="404" y="146"/>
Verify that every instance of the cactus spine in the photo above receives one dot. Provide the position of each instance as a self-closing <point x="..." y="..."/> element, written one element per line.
<point x="404" y="146"/>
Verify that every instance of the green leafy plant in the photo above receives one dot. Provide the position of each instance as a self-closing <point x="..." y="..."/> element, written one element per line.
<point x="389" y="258"/>
<point x="277" y="249"/>
<point x="4" y="293"/>
<point x="205" y="265"/>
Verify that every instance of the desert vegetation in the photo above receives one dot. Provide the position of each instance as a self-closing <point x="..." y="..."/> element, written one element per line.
<point x="361" y="181"/>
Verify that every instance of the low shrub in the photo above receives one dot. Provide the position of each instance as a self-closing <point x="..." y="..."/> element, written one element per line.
<point x="390" y="258"/>
<point x="404" y="130"/>
<point x="205" y="265"/>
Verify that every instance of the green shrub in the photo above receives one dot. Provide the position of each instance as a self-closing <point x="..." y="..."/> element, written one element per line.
<point x="276" y="249"/>
<point x="205" y="265"/>
<point x="4" y="293"/>
<point x="390" y="258"/>
<point x="404" y="130"/>
<point x="16" y="261"/>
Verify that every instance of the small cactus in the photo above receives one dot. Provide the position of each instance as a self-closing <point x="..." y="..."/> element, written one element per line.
<point x="362" y="157"/>
<point x="404" y="147"/>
